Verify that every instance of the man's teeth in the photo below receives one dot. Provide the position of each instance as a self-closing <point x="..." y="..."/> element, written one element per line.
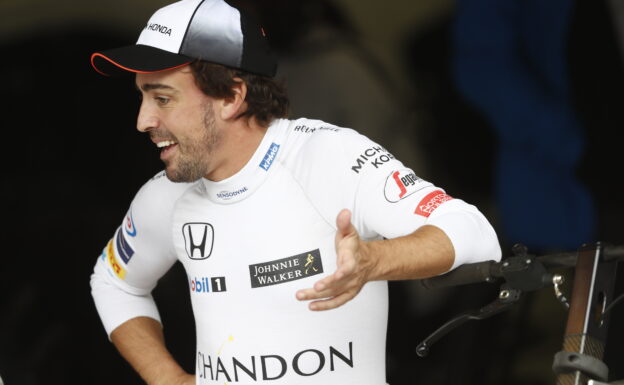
<point x="165" y="143"/>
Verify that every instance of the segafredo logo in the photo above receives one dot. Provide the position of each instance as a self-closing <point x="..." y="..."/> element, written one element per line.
<point x="401" y="184"/>
<point x="159" y="28"/>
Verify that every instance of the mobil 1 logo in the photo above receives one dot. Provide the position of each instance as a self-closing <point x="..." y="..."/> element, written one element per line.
<point x="207" y="284"/>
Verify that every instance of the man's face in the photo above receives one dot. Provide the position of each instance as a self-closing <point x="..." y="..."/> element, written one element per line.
<point x="180" y="120"/>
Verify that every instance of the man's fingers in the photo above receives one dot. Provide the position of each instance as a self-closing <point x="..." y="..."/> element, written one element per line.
<point x="341" y="286"/>
<point x="341" y="275"/>
<point x="311" y="294"/>
<point x="327" y="287"/>
<point x="332" y="303"/>
<point x="318" y="292"/>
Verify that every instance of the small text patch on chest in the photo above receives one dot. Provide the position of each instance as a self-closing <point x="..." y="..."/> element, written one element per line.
<point x="286" y="269"/>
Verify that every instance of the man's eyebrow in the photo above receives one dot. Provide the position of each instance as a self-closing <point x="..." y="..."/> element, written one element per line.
<point x="155" y="86"/>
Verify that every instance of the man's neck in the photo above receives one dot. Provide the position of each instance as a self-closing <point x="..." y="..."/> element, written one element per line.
<point x="240" y="142"/>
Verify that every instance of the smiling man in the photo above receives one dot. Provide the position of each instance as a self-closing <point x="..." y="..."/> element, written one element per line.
<point x="288" y="229"/>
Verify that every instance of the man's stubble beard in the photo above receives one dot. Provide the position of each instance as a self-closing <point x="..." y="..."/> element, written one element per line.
<point x="192" y="160"/>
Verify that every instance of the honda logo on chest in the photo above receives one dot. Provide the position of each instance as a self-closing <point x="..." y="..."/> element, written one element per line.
<point x="198" y="239"/>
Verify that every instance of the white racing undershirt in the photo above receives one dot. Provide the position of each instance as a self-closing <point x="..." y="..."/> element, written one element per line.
<point x="249" y="242"/>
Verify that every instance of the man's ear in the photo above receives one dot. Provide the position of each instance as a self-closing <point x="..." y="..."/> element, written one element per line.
<point x="232" y="107"/>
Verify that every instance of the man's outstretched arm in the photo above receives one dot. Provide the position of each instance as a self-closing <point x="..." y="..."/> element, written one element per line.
<point x="141" y="342"/>
<point x="426" y="252"/>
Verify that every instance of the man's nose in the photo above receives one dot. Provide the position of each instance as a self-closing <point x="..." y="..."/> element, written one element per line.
<point x="147" y="119"/>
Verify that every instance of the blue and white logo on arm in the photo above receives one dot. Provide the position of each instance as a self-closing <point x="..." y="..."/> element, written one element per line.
<point x="129" y="225"/>
<point x="124" y="249"/>
<point x="269" y="157"/>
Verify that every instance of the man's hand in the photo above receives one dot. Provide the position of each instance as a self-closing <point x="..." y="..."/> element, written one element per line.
<point x="353" y="266"/>
<point x="141" y="342"/>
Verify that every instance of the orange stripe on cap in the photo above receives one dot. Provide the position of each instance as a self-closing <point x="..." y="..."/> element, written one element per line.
<point x="126" y="68"/>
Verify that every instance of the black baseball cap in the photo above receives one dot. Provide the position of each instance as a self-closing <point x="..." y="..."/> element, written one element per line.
<point x="187" y="30"/>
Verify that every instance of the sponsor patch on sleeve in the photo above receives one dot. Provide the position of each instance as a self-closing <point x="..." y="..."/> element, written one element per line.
<point x="269" y="157"/>
<point x="375" y="156"/>
<point x="430" y="202"/>
<point x="113" y="262"/>
<point x="401" y="184"/>
<point x="129" y="224"/>
<point x="124" y="249"/>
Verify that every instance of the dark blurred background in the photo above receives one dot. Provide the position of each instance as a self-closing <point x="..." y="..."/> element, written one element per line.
<point x="512" y="105"/>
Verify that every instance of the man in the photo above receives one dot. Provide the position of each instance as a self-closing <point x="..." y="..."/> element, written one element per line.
<point x="279" y="224"/>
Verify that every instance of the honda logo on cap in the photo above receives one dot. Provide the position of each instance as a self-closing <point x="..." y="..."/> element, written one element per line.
<point x="198" y="239"/>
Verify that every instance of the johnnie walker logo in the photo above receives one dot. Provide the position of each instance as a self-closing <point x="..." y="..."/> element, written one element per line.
<point x="286" y="269"/>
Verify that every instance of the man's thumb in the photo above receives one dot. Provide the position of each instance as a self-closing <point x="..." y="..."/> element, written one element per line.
<point x="343" y="222"/>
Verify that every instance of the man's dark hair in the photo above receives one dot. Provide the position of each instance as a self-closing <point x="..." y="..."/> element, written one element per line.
<point x="266" y="98"/>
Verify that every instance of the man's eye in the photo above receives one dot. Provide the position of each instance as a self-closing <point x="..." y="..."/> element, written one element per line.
<point x="161" y="100"/>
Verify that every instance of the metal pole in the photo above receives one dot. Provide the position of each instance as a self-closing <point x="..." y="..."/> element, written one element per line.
<point x="586" y="329"/>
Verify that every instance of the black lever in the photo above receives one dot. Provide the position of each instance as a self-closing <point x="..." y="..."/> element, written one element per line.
<point x="506" y="298"/>
<point x="522" y="272"/>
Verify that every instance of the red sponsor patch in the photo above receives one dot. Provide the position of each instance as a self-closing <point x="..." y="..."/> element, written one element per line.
<point x="430" y="202"/>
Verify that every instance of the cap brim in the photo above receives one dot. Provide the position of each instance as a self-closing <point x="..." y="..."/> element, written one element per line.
<point x="137" y="59"/>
